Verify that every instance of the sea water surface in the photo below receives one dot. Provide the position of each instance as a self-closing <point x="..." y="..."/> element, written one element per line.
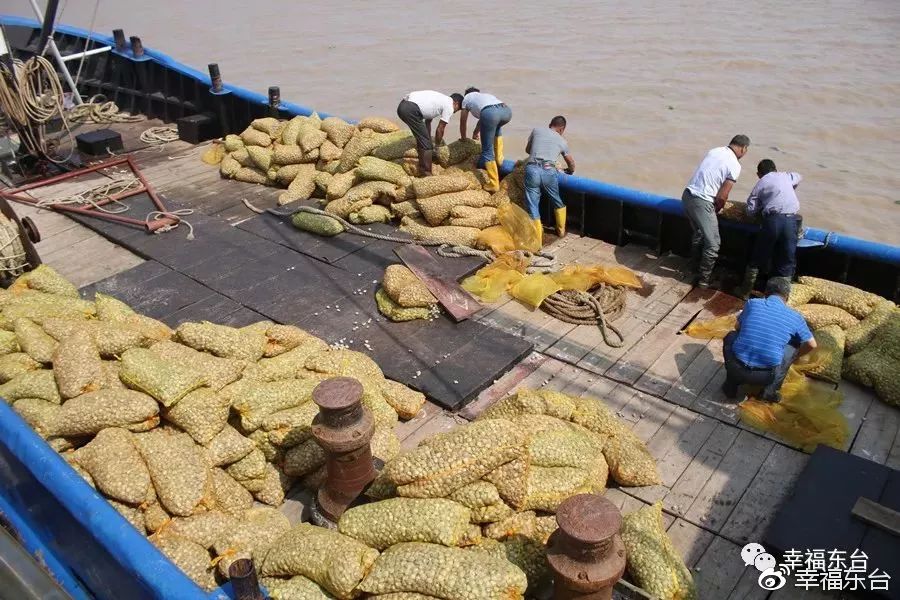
<point x="647" y="86"/>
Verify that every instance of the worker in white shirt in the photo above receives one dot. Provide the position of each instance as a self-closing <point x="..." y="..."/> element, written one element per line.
<point x="417" y="110"/>
<point x="492" y="115"/>
<point x="704" y="196"/>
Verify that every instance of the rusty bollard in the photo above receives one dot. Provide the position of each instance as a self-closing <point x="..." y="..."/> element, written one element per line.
<point x="344" y="429"/>
<point x="242" y="575"/>
<point x="586" y="553"/>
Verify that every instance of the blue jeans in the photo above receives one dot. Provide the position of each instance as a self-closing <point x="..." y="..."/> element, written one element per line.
<point x="737" y="373"/>
<point x="538" y="178"/>
<point x="491" y="122"/>
<point x="777" y="241"/>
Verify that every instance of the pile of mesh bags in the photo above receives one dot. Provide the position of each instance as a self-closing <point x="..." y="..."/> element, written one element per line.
<point x="193" y="435"/>
<point x="404" y="297"/>
<point x="856" y="333"/>
<point x="366" y="173"/>
<point x="483" y="496"/>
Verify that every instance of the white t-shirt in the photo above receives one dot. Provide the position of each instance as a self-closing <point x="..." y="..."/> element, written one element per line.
<point x="433" y="104"/>
<point x="718" y="165"/>
<point x="475" y="101"/>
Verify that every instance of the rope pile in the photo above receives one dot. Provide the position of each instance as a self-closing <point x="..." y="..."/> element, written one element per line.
<point x="31" y="95"/>
<point x="100" y="110"/>
<point x="12" y="252"/>
<point x="95" y="195"/>
<point x="605" y="303"/>
<point x="157" y="136"/>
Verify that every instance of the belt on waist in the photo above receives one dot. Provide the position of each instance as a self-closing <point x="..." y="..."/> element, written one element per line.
<point x="501" y="105"/>
<point x="749" y="368"/>
<point x="778" y="214"/>
<point x="541" y="162"/>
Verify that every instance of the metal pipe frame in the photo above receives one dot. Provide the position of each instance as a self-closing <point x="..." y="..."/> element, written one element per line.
<point x="150" y="226"/>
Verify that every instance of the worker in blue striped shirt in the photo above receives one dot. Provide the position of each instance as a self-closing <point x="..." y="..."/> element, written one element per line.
<point x="770" y="336"/>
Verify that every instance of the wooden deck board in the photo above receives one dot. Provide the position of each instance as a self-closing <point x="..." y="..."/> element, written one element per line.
<point x="717" y="572"/>
<point x="690" y="541"/>
<point x="725" y="487"/>
<point x="748" y="587"/>
<point x="756" y="508"/>
<point x="878" y="432"/>
<point x="702" y="467"/>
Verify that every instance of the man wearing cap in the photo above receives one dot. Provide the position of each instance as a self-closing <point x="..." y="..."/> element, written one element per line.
<point x="417" y="110"/>
<point x="492" y="115"/>
<point x="770" y="336"/>
<point x="704" y="196"/>
<point x="774" y="202"/>
<point x="545" y="145"/>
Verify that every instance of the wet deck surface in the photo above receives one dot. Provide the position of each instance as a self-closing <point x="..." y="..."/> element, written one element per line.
<point x="722" y="482"/>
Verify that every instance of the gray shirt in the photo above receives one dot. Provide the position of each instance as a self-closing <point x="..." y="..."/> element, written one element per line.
<point x="774" y="194"/>
<point x="546" y="145"/>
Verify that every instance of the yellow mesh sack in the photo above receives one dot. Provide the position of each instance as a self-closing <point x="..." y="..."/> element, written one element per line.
<point x="534" y="288"/>
<point x="519" y="226"/>
<point x="496" y="239"/>
<point x="711" y="329"/>
<point x="493" y="280"/>
<point x="808" y="414"/>
<point x="652" y="559"/>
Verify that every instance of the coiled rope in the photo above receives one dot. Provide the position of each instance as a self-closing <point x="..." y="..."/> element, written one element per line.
<point x="12" y="251"/>
<point x="100" y="110"/>
<point x="598" y="307"/>
<point x="156" y="136"/>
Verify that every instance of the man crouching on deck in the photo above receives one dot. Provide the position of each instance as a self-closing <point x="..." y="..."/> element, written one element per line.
<point x="770" y="336"/>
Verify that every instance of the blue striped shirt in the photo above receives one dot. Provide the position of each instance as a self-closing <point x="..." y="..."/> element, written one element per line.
<point x="767" y="325"/>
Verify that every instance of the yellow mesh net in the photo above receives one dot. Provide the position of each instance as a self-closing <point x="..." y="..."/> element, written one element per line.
<point x="519" y="226"/>
<point x="807" y="415"/>
<point x="711" y="329"/>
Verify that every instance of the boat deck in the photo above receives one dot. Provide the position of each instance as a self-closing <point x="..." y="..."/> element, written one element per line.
<point x="722" y="481"/>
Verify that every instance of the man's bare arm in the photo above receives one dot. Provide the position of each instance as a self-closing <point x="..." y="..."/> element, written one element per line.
<point x="428" y="126"/>
<point x="439" y="134"/>
<point x="570" y="161"/>
<point x="722" y="195"/>
<point x="463" y="123"/>
<point x="807" y="347"/>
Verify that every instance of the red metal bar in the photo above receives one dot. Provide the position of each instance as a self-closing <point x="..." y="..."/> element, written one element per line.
<point x="73" y="174"/>
<point x="151" y="225"/>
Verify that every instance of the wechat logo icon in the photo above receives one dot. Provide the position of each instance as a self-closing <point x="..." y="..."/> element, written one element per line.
<point x="770" y="576"/>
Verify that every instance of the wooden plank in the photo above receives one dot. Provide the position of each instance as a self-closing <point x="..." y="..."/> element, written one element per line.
<point x="503" y="386"/>
<point x="690" y="541"/>
<point x="91" y="260"/>
<point x="688" y="486"/>
<point x="727" y="484"/>
<point x="748" y="587"/>
<point x="459" y="303"/>
<point x="648" y="349"/>
<point x="757" y="507"/>
<point x="438" y="424"/>
<point x="674" y="446"/>
<point x="542" y="375"/>
<point x="877" y="515"/>
<point x="854" y="407"/>
<point x="628" y="504"/>
<point x="713" y="402"/>
<point x="697" y="376"/>
<point x="717" y="572"/>
<point x="65" y="239"/>
<point x="404" y="429"/>
<point x="652" y="413"/>
<point x="877" y="434"/>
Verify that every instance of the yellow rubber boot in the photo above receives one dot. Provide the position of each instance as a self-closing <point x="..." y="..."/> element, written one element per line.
<point x="560" y="214"/>
<point x="493" y="183"/>
<point x="498" y="150"/>
<point x="539" y="231"/>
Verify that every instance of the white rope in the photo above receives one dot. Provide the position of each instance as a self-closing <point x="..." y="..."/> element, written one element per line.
<point x="100" y="110"/>
<point x="87" y="42"/>
<point x="12" y="252"/>
<point x="94" y="195"/>
<point x="176" y="215"/>
<point x="159" y="135"/>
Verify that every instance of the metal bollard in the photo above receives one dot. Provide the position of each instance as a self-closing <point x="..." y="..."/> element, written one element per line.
<point x="119" y="37"/>
<point x="243" y="579"/>
<point x="586" y="553"/>
<point x="137" y="48"/>
<point x="344" y="429"/>
<point x="274" y="100"/>
<point x="215" y="76"/>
